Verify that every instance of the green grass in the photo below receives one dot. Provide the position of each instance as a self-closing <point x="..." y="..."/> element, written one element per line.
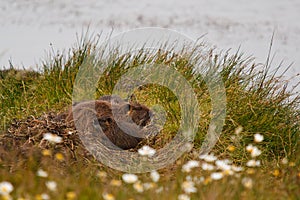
<point x="257" y="101"/>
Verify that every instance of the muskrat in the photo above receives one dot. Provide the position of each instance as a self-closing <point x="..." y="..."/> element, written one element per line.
<point x="123" y="124"/>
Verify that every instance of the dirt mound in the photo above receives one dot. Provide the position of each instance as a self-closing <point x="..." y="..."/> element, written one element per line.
<point x="25" y="136"/>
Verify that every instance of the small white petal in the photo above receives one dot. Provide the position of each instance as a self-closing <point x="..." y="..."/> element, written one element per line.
<point x="154" y="176"/>
<point x="207" y="167"/>
<point x="249" y="147"/>
<point x="51" y="185"/>
<point x="223" y="164"/>
<point x="258" y="137"/>
<point x="148" y="186"/>
<point x="108" y="196"/>
<point x="216" y="175"/>
<point x="183" y="197"/>
<point x="189" y="187"/>
<point x="238" y="130"/>
<point x="236" y="168"/>
<point x="247" y="182"/>
<point x="208" y="157"/>
<point x="253" y="150"/>
<point x="42" y="173"/>
<point x="146" y="151"/>
<point x="6" y="188"/>
<point x="190" y="165"/>
<point x="256" y="152"/>
<point x="253" y="163"/>
<point x="284" y="161"/>
<point x="138" y="187"/>
<point x="129" y="178"/>
<point x="52" y="138"/>
<point x="45" y="196"/>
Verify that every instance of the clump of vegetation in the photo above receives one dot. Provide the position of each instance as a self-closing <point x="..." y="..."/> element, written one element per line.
<point x="258" y="104"/>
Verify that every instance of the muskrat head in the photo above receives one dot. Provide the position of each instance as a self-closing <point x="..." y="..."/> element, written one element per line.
<point x="140" y="114"/>
<point x="128" y="111"/>
<point x="137" y="113"/>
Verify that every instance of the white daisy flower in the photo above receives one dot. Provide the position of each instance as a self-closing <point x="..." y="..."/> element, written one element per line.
<point x="148" y="186"/>
<point x="129" y="178"/>
<point x="183" y="197"/>
<point x="42" y="173"/>
<point x="238" y="130"/>
<point x="207" y="167"/>
<point x="237" y="168"/>
<point x="247" y="182"/>
<point x="249" y="147"/>
<point x="216" y="175"/>
<point x="45" y="196"/>
<point x="189" y="187"/>
<point x="107" y="196"/>
<point x="190" y="165"/>
<point x="154" y="176"/>
<point x="228" y="172"/>
<point x="208" y="157"/>
<point x="6" y="188"/>
<point x="253" y="150"/>
<point x="138" y="186"/>
<point x="253" y="163"/>
<point x="51" y="185"/>
<point x="258" y="137"/>
<point x="52" y="138"/>
<point x="223" y="164"/>
<point x="285" y="161"/>
<point x="146" y="151"/>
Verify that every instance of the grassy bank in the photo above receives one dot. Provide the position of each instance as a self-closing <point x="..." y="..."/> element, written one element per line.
<point x="258" y="102"/>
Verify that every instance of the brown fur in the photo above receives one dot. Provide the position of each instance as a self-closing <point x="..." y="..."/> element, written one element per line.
<point x="116" y="118"/>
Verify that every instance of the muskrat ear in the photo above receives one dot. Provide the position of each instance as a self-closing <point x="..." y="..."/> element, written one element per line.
<point x="132" y="99"/>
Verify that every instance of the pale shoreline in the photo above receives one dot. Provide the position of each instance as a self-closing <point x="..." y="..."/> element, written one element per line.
<point x="31" y="30"/>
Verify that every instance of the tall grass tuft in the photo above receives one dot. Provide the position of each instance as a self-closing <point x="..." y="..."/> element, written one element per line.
<point x="258" y="101"/>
